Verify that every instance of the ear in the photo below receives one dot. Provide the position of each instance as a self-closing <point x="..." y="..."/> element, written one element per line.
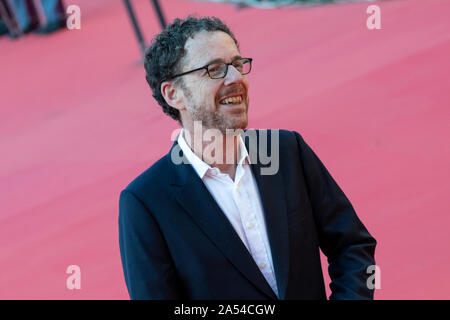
<point x="173" y="95"/>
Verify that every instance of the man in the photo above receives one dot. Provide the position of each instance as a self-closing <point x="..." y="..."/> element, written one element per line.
<point x="216" y="225"/>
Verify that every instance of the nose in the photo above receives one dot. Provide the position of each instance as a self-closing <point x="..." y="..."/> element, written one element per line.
<point x="233" y="75"/>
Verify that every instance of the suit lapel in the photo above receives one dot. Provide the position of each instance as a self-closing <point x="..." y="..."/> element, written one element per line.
<point x="271" y="189"/>
<point x="195" y="199"/>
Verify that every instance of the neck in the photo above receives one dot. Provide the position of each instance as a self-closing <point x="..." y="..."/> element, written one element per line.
<point x="214" y="148"/>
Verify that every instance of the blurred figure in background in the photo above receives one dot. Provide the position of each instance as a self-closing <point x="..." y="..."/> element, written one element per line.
<point x="18" y="17"/>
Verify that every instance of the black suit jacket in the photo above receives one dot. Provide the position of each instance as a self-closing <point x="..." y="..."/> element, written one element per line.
<point x="176" y="243"/>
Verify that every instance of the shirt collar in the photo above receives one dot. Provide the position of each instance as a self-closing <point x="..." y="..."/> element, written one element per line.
<point x="202" y="167"/>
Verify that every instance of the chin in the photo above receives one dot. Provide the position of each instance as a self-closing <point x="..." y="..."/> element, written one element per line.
<point x="235" y="125"/>
<point x="241" y="123"/>
<point x="232" y="121"/>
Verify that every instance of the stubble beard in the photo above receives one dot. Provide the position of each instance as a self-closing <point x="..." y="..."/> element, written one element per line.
<point x="216" y="119"/>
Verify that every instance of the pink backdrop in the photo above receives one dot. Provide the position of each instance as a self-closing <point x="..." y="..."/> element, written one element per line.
<point x="78" y="123"/>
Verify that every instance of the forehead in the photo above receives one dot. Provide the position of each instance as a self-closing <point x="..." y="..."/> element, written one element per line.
<point x="205" y="46"/>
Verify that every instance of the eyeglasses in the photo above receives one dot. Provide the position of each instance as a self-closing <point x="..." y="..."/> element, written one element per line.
<point x="218" y="70"/>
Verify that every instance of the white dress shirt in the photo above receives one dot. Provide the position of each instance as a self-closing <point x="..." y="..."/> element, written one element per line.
<point x="240" y="202"/>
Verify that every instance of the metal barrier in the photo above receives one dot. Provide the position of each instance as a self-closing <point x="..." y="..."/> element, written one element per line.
<point x="135" y="24"/>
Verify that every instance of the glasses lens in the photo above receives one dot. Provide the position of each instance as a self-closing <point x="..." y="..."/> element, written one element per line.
<point x="245" y="66"/>
<point x="217" y="70"/>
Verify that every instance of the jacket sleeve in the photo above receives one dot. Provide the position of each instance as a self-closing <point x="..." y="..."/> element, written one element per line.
<point x="147" y="265"/>
<point x="343" y="238"/>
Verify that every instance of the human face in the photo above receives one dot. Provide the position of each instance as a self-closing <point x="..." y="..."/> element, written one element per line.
<point x="204" y="96"/>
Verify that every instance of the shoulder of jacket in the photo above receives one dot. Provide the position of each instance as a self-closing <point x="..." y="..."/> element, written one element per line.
<point x="152" y="177"/>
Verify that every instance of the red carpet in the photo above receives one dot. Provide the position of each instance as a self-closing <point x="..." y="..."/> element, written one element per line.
<point x="78" y="123"/>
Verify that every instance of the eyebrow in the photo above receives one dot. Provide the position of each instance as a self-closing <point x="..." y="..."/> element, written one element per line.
<point x="221" y="60"/>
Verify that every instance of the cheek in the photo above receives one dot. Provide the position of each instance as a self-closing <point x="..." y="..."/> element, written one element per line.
<point x="205" y="98"/>
<point x="210" y="94"/>
<point x="246" y="83"/>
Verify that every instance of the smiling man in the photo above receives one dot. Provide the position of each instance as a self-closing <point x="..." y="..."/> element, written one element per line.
<point x="216" y="225"/>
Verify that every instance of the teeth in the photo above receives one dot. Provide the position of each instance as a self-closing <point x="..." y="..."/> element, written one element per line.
<point x="232" y="100"/>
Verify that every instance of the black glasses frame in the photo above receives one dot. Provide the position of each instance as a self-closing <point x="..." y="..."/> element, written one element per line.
<point x="244" y="60"/>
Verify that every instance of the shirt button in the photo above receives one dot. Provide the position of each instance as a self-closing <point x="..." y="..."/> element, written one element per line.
<point x="262" y="266"/>
<point x="250" y="225"/>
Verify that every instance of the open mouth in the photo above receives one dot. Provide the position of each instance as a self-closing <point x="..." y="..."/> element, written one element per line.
<point x="232" y="100"/>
